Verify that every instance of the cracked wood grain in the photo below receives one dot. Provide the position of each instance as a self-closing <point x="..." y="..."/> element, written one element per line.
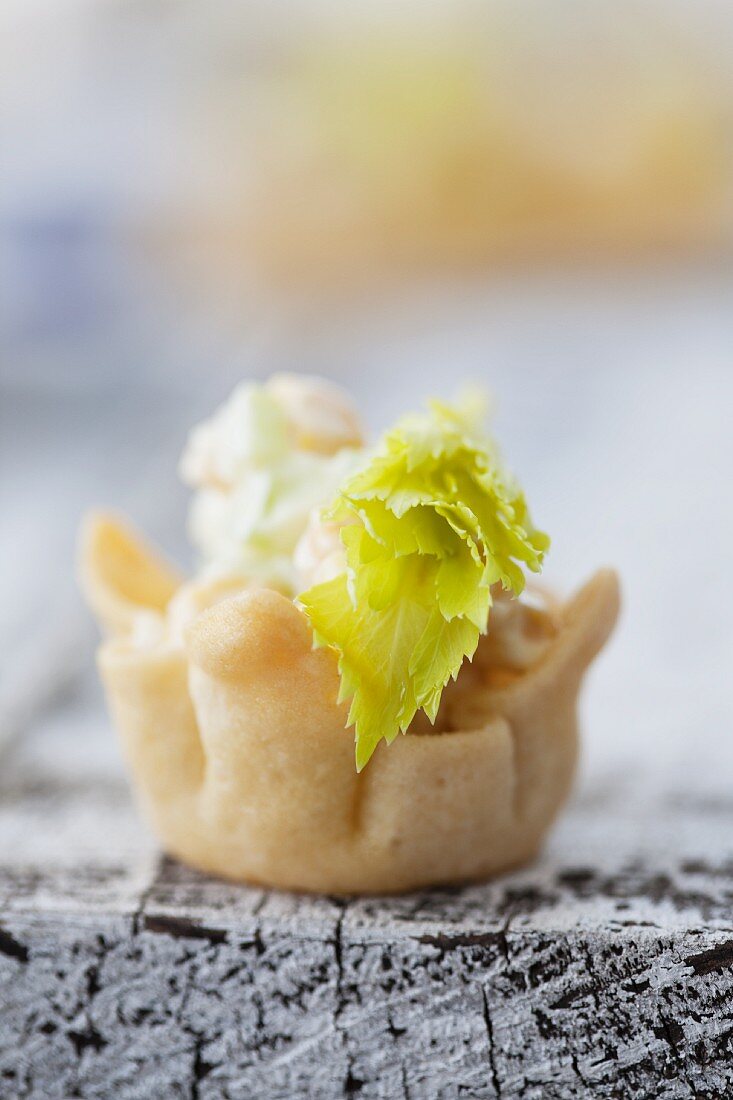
<point x="603" y="970"/>
<point x="324" y="997"/>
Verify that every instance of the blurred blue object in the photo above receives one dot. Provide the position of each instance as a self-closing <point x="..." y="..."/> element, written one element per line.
<point x="58" y="273"/>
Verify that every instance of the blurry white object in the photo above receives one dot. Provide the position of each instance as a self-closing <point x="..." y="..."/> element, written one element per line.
<point x="38" y="667"/>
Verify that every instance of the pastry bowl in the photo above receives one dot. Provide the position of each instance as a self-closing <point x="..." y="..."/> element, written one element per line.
<point x="240" y="755"/>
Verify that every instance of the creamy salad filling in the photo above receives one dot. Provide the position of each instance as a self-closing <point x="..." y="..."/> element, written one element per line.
<point x="259" y="467"/>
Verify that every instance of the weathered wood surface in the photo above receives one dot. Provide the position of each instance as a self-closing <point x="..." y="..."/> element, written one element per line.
<point x="604" y="970"/>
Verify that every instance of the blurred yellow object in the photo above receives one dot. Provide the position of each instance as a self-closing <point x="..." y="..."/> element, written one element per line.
<point x="462" y="141"/>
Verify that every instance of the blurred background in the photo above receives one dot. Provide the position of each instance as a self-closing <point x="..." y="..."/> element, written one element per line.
<point x="403" y="197"/>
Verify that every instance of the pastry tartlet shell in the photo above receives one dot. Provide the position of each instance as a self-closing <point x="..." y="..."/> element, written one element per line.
<point x="241" y="761"/>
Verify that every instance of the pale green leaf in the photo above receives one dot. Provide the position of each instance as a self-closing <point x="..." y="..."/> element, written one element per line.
<point x="433" y="521"/>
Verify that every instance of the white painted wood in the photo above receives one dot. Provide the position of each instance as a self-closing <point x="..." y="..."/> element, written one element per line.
<point x="604" y="970"/>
